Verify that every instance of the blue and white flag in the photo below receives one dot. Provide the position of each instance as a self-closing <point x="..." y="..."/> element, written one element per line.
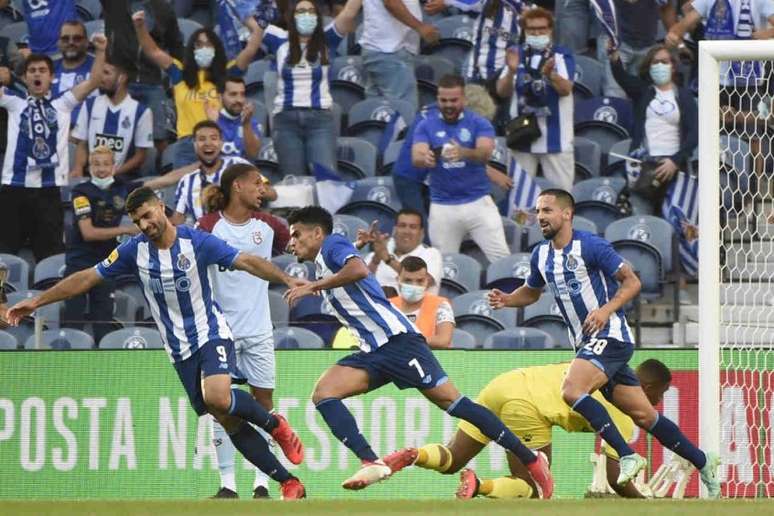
<point x="395" y="125"/>
<point x="605" y="12"/>
<point x="332" y="191"/>
<point x="681" y="209"/>
<point x="230" y="26"/>
<point x="523" y="195"/>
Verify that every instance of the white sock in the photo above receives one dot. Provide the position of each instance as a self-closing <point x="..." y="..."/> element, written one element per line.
<point x="261" y="478"/>
<point x="225" y="452"/>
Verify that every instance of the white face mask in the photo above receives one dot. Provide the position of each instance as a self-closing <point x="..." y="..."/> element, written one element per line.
<point x="661" y="73"/>
<point x="306" y="23"/>
<point x="412" y="293"/>
<point x="538" y="42"/>
<point x="204" y="56"/>
<point x="103" y="183"/>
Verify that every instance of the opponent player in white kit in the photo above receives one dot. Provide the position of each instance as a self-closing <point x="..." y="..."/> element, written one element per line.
<point x="232" y="216"/>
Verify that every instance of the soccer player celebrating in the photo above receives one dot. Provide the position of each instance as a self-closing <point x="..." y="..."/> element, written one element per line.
<point x="530" y="403"/>
<point x="591" y="284"/>
<point x="393" y="350"/>
<point x="171" y="264"/>
<point x="234" y="217"/>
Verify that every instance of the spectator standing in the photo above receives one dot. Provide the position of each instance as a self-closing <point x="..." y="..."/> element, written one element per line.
<point x="390" y="40"/>
<point x="75" y="64"/>
<point x="432" y="314"/>
<point x="455" y="145"/>
<point x="410" y="181"/>
<point x="241" y="131"/>
<point x="36" y="159"/>
<point x="197" y="80"/>
<point x="44" y="20"/>
<point x="407" y="237"/>
<point x="303" y="127"/>
<point x="115" y="120"/>
<point x="98" y="205"/>
<point x="539" y="79"/>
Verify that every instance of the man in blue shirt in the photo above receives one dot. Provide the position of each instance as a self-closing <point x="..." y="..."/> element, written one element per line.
<point x="591" y="284"/>
<point x="44" y="18"/>
<point x="392" y="350"/>
<point x="74" y="66"/>
<point x="455" y="144"/>
<point x="172" y="264"/>
<point x="240" y="130"/>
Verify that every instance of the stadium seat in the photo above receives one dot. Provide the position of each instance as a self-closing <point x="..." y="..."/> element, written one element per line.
<point x="381" y="110"/>
<point x="645" y="228"/>
<point x="168" y="158"/>
<point x="347" y="69"/>
<point x="432" y="68"/>
<point x="462" y="272"/>
<point x="612" y="110"/>
<point x="519" y="338"/>
<point x="131" y="287"/>
<point x="584" y="224"/>
<point x="313" y="313"/>
<point x="617" y="166"/>
<point x="296" y="338"/>
<point x="603" y="189"/>
<point x="347" y="225"/>
<point x="376" y="189"/>
<point x="126" y="310"/>
<point x="477" y="303"/>
<point x="535" y="235"/>
<point x="356" y="152"/>
<point x="18" y="272"/>
<point x="545" y="315"/>
<point x="646" y="262"/>
<point x="49" y="313"/>
<point x="279" y="309"/>
<point x="454" y="50"/>
<point x="601" y="213"/>
<point x="62" y="339"/>
<point x="187" y="28"/>
<point x="462" y="339"/>
<point x="88" y="9"/>
<point x="589" y="74"/>
<point x="512" y="234"/>
<point x="390" y="157"/>
<point x="427" y="92"/>
<point x="509" y="272"/>
<point x="347" y="95"/>
<point x="605" y="134"/>
<point x="15" y="32"/>
<point x="588" y="154"/>
<point x="456" y="39"/>
<point x="132" y="338"/>
<point x="22" y="332"/>
<point x="94" y="26"/>
<point x="370" y="211"/>
<point x="8" y="341"/>
<point x="49" y="271"/>
<point x="254" y="75"/>
<point x="479" y="326"/>
<point x="289" y="264"/>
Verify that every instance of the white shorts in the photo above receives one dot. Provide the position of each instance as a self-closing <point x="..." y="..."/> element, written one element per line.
<point x="255" y="360"/>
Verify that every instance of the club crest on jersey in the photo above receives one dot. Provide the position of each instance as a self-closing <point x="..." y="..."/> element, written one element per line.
<point x="126" y="123"/>
<point x="465" y="135"/>
<point x="118" y="202"/>
<point x="183" y="263"/>
<point x="257" y="238"/>
<point x="571" y="263"/>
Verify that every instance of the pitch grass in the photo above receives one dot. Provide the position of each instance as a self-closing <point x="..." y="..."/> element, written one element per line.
<point x="606" y="507"/>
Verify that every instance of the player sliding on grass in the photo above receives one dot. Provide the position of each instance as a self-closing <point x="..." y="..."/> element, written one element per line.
<point x="529" y="402"/>
<point x="171" y="263"/>
<point x="591" y="284"/>
<point x="393" y="350"/>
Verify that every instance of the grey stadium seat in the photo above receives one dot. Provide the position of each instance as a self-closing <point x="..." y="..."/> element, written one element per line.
<point x="62" y="339"/>
<point x="18" y="272"/>
<point x="518" y="338"/>
<point x="347" y="226"/>
<point x="508" y="272"/>
<point x="296" y="338"/>
<point x="49" y="271"/>
<point x="645" y="228"/>
<point x="461" y="272"/>
<point x="280" y="311"/>
<point x="462" y="339"/>
<point x="545" y="315"/>
<point x="8" y="341"/>
<point x="132" y="338"/>
<point x="477" y="303"/>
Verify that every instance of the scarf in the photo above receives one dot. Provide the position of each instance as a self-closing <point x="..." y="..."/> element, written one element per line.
<point x="42" y="128"/>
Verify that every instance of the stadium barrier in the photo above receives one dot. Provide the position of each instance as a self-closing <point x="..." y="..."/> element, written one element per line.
<point x="117" y="424"/>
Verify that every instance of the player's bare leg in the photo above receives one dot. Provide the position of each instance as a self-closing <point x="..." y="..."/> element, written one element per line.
<point x="447" y="397"/>
<point x="335" y="384"/>
<point x="632" y="401"/>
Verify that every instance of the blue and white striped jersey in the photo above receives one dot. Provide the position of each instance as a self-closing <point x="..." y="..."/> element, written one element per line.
<point x="233" y="134"/>
<point x="189" y="189"/>
<point x="305" y="85"/>
<point x="31" y="160"/>
<point x="177" y="284"/>
<point x="361" y="306"/>
<point x="120" y="127"/>
<point x="581" y="278"/>
<point x="66" y="79"/>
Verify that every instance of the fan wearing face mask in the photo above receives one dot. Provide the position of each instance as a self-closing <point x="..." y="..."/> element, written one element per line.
<point x="666" y="119"/>
<point x="432" y="314"/>
<point x="198" y="80"/>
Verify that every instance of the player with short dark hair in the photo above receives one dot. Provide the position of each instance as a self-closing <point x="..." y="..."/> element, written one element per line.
<point x="171" y="263"/>
<point x="591" y="284"/>
<point x="392" y="351"/>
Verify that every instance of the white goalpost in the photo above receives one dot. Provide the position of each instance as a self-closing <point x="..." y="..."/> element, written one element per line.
<point x="736" y="268"/>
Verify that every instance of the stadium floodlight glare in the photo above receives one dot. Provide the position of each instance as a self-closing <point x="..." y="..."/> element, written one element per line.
<point x="736" y="327"/>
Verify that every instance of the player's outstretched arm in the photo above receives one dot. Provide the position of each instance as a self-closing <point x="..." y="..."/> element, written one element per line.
<point x="73" y="285"/>
<point x="522" y="296"/>
<point x="354" y="270"/>
<point x="264" y="269"/>
<point x="83" y="89"/>
<point x="628" y="490"/>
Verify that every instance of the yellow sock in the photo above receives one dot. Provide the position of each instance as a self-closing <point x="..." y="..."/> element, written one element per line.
<point x="434" y="456"/>
<point x="505" y="487"/>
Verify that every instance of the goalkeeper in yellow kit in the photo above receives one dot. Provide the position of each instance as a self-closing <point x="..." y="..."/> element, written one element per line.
<point x="529" y="402"/>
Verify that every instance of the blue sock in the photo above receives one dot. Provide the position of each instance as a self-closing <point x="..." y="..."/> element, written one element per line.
<point x="671" y="437"/>
<point x="344" y="427"/>
<point x="595" y="413"/>
<point x="490" y="426"/>
<point x="244" y="406"/>
<point x="255" y="449"/>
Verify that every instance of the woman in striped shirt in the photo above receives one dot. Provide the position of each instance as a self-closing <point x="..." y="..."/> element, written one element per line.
<point x="304" y="129"/>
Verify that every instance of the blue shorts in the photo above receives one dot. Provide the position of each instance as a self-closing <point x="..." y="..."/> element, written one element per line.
<point x="612" y="357"/>
<point x="405" y="360"/>
<point x="215" y="357"/>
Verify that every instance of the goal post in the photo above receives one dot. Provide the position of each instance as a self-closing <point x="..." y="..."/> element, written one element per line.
<point x="727" y="337"/>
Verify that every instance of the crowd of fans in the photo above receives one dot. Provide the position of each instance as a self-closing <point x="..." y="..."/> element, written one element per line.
<point x="86" y="117"/>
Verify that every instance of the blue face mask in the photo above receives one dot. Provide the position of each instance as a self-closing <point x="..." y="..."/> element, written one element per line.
<point x="661" y="73"/>
<point x="306" y="23"/>
<point x="537" y="42"/>
<point x="412" y="293"/>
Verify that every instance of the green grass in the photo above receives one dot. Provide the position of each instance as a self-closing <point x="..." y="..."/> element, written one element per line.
<point x="605" y="507"/>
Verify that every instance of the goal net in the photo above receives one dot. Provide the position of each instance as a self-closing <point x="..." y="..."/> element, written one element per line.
<point x="736" y="262"/>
